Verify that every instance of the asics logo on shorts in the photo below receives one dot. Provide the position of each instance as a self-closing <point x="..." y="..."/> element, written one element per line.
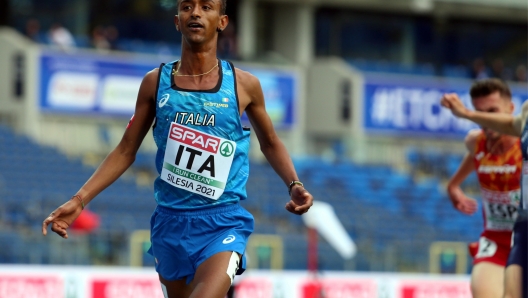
<point x="229" y="239"/>
<point x="163" y="100"/>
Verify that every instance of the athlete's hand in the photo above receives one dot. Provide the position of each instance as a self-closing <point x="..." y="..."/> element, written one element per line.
<point x="453" y="102"/>
<point x="461" y="202"/>
<point x="300" y="200"/>
<point x="61" y="218"/>
<point x="466" y="205"/>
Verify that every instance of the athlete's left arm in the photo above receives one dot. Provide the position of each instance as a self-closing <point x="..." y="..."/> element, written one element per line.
<point x="252" y="100"/>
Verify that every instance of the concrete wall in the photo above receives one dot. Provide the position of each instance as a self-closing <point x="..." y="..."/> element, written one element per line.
<point x="17" y="81"/>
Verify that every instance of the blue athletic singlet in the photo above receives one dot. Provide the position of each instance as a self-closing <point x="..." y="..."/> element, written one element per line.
<point x="202" y="155"/>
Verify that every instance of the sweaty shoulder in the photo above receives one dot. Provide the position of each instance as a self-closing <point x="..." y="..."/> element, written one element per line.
<point x="149" y="85"/>
<point x="520" y="120"/>
<point x="152" y="76"/>
<point x="246" y="80"/>
<point x="248" y="88"/>
<point x="471" y="140"/>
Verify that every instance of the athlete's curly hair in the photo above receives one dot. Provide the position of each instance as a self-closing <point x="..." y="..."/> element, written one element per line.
<point x="488" y="86"/>
<point x="223" y="5"/>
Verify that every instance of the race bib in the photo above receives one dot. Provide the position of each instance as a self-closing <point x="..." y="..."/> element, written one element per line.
<point x="500" y="209"/>
<point x="196" y="161"/>
<point x="487" y="248"/>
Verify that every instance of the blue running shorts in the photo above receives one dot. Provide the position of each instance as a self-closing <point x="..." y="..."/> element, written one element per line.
<point x="182" y="240"/>
<point x="519" y="250"/>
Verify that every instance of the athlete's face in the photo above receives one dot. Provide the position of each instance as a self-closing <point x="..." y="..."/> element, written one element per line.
<point x="199" y="20"/>
<point x="492" y="103"/>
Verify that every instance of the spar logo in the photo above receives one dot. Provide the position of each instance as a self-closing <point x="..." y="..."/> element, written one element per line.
<point x="226" y="149"/>
<point x="199" y="140"/>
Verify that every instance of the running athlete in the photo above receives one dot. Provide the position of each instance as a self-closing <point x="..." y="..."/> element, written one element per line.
<point x="497" y="160"/>
<point x="515" y="276"/>
<point x="198" y="231"/>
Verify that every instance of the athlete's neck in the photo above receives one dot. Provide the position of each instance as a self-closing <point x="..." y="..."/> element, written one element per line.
<point x="197" y="70"/>
<point x="197" y="58"/>
<point x="501" y="144"/>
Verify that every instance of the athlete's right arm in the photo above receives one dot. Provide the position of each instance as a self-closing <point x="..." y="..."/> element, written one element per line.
<point x="116" y="163"/>
<point x="500" y="122"/>
<point x="458" y="198"/>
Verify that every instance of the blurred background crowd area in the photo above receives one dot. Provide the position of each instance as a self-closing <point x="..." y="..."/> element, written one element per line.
<point x="420" y="40"/>
<point x="385" y="176"/>
<point x="392" y="215"/>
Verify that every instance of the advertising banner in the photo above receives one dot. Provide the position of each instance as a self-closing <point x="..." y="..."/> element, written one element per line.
<point x="126" y="282"/>
<point x="92" y="84"/>
<point x="121" y="287"/>
<point x="340" y="287"/>
<point x="31" y="285"/>
<point x="402" y="105"/>
<point x="438" y="289"/>
<point x="298" y="284"/>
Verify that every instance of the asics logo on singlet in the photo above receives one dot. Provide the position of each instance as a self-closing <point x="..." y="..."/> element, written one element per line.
<point x="229" y="239"/>
<point x="506" y="169"/>
<point x="163" y="100"/>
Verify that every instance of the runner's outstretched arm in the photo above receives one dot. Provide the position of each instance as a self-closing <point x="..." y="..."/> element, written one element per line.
<point x="500" y="122"/>
<point x="115" y="164"/>
<point x="271" y="146"/>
